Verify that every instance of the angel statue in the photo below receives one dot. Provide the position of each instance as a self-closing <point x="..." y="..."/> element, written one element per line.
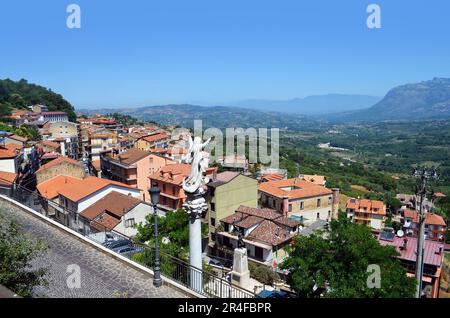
<point x="199" y="162"/>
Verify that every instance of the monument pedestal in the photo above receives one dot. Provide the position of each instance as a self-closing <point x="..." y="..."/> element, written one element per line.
<point x="240" y="274"/>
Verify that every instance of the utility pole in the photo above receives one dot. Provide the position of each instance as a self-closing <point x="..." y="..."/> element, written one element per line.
<point x="421" y="190"/>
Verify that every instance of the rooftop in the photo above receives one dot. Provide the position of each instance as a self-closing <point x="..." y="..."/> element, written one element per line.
<point x="115" y="203"/>
<point x="370" y="206"/>
<point x="174" y="174"/>
<point x="431" y="249"/>
<point x="59" y="161"/>
<point x="73" y="188"/>
<point x="7" y="178"/>
<point x="295" y="188"/>
<point x="131" y="156"/>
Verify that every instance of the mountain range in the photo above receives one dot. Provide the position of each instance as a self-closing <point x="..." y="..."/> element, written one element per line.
<point x="311" y="105"/>
<point x="424" y="100"/>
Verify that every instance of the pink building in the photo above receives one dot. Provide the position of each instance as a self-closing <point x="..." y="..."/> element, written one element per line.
<point x="133" y="168"/>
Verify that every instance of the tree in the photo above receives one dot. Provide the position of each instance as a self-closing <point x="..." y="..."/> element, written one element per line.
<point x="16" y="253"/>
<point x="174" y="226"/>
<point x="336" y="262"/>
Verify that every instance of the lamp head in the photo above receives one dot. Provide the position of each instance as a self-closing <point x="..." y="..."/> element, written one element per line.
<point x="154" y="194"/>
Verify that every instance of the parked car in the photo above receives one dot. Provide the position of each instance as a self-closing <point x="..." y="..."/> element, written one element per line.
<point x="215" y="262"/>
<point x="126" y="250"/>
<point x="113" y="244"/>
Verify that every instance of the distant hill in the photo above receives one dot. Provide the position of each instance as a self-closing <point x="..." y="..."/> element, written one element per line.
<point x="312" y="105"/>
<point x="424" y="100"/>
<point x="21" y="94"/>
<point x="214" y="116"/>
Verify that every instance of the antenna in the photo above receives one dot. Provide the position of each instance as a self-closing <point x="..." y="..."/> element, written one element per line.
<point x="400" y="233"/>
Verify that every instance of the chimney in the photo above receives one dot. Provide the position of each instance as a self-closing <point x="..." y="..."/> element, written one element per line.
<point x="335" y="204"/>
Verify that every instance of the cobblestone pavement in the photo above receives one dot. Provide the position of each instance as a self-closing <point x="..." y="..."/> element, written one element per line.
<point x="101" y="276"/>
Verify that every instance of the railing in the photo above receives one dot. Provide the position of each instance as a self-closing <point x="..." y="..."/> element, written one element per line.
<point x="203" y="282"/>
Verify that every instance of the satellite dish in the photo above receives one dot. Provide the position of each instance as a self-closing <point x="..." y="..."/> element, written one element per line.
<point x="400" y="233"/>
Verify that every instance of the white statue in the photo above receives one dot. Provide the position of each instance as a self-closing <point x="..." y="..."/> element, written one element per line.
<point x="196" y="157"/>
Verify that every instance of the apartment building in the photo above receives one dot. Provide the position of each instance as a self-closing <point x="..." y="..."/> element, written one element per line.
<point x="170" y="179"/>
<point x="226" y="193"/>
<point x="368" y="212"/>
<point x="433" y="260"/>
<point x="133" y="167"/>
<point x="435" y="226"/>
<point x="265" y="233"/>
<point x="153" y="141"/>
<point x="300" y="199"/>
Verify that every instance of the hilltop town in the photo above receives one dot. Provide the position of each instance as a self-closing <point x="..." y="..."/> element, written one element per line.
<point x="93" y="176"/>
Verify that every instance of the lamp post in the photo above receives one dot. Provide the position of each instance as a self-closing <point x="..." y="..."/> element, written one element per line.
<point x="154" y="196"/>
<point x="421" y="190"/>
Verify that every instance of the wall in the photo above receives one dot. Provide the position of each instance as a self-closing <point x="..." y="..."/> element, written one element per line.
<point x="227" y="198"/>
<point x="138" y="214"/>
<point x="63" y="129"/>
<point x="8" y="165"/>
<point x="64" y="168"/>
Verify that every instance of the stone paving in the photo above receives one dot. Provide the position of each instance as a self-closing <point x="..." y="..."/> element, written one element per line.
<point x="102" y="276"/>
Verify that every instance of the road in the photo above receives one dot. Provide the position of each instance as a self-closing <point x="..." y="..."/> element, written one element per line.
<point x="101" y="276"/>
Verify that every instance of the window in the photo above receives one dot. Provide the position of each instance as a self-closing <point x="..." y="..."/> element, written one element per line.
<point x="213" y="237"/>
<point x="164" y="188"/>
<point x="129" y="223"/>
<point x="302" y="205"/>
<point x="318" y="215"/>
<point x="319" y="202"/>
<point x="213" y="207"/>
<point x="174" y="192"/>
<point x="213" y="222"/>
<point x="290" y="207"/>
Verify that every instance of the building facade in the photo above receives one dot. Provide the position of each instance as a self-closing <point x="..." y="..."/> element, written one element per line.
<point x="367" y="212"/>
<point x="300" y="199"/>
<point x="226" y="193"/>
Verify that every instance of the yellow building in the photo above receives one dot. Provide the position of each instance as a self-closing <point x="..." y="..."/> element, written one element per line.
<point x="225" y="194"/>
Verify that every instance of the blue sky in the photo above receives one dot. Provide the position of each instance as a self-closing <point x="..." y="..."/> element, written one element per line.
<point x="144" y="52"/>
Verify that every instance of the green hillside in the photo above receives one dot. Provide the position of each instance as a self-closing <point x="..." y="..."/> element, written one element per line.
<point x="21" y="94"/>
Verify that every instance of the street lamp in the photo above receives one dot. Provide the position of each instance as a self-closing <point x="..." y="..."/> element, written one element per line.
<point x="421" y="190"/>
<point x="154" y="196"/>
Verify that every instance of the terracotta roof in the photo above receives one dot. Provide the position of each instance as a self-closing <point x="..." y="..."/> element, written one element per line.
<point x="131" y="156"/>
<point x="7" y="152"/>
<point x="268" y="214"/>
<point x="299" y="189"/>
<point x="49" y="189"/>
<point x="431" y="250"/>
<point x="319" y="180"/>
<point x="434" y="219"/>
<point x="439" y="195"/>
<point x="7" y="178"/>
<point x="270" y="233"/>
<point x="369" y="206"/>
<point x="18" y="138"/>
<point x="156" y="137"/>
<point x="174" y="174"/>
<point x="73" y="188"/>
<point x="272" y="177"/>
<point x="58" y="161"/>
<point x="51" y="144"/>
<point x="105" y="222"/>
<point x="115" y="203"/>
